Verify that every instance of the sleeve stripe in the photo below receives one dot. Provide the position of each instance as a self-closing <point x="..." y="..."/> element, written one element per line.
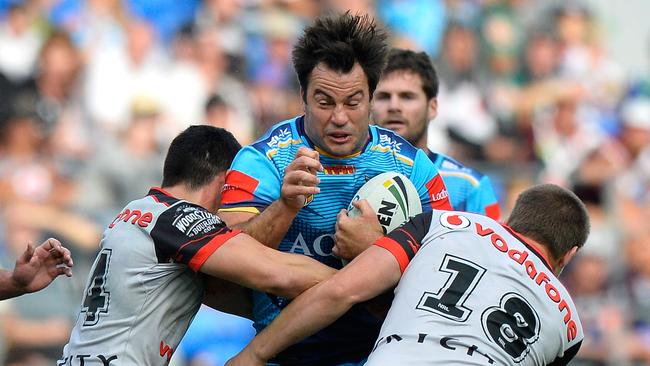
<point x="396" y="249"/>
<point x="206" y="251"/>
<point x="493" y="211"/>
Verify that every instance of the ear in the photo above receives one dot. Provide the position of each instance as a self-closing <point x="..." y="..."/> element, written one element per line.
<point x="432" y="109"/>
<point x="566" y="258"/>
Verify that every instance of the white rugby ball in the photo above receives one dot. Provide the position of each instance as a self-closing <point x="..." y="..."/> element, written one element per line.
<point x="393" y="197"/>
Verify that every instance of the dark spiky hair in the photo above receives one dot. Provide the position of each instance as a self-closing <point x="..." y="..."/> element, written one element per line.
<point x="340" y="41"/>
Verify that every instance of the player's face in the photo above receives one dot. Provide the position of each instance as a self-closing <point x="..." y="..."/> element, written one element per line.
<point x="401" y="105"/>
<point x="337" y="110"/>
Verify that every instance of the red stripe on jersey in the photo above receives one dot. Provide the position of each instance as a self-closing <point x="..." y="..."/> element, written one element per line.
<point x="206" y="251"/>
<point x="493" y="211"/>
<point x="238" y="187"/>
<point x="396" y="249"/>
<point x="438" y="194"/>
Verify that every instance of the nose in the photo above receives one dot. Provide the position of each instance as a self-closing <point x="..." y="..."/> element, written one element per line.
<point x="339" y="116"/>
<point x="394" y="104"/>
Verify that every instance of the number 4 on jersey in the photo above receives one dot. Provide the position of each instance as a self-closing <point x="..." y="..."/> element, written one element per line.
<point x="96" y="297"/>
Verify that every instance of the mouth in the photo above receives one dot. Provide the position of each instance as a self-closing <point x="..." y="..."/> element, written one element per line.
<point x="339" y="137"/>
<point x="393" y="124"/>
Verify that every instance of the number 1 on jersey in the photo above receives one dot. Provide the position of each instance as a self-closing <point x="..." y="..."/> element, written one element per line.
<point x="448" y="301"/>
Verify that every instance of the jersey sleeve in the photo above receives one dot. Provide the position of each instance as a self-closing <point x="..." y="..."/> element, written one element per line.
<point x="405" y="241"/>
<point x="189" y="234"/>
<point x="483" y="200"/>
<point x="252" y="183"/>
<point x="428" y="182"/>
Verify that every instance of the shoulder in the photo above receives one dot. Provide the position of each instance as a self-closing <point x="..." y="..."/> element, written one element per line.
<point x="387" y="140"/>
<point x="448" y="166"/>
<point x="281" y="135"/>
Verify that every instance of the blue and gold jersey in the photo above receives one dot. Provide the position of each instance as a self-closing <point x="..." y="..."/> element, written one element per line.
<point x="469" y="190"/>
<point x="254" y="182"/>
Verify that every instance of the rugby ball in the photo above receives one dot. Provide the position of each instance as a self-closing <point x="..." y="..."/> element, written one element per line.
<point x="393" y="197"/>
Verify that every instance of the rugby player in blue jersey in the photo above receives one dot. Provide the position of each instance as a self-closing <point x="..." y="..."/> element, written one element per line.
<point x="405" y="102"/>
<point x="323" y="157"/>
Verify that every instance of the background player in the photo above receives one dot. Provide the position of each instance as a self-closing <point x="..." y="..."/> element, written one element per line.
<point x="338" y="61"/>
<point x="405" y="102"/>
<point x="36" y="269"/>
<point x="473" y="291"/>
<point x="143" y="291"/>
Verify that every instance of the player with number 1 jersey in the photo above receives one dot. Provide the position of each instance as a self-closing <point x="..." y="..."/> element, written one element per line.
<point x="476" y="293"/>
<point x="254" y="182"/>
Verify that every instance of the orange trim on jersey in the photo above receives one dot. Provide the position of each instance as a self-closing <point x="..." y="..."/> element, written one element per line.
<point x="493" y="211"/>
<point x="206" y="251"/>
<point x="239" y="187"/>
<point x="396" y="250"/>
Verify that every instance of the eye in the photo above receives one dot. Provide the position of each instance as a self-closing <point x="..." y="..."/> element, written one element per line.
<point x="353" y="103"/>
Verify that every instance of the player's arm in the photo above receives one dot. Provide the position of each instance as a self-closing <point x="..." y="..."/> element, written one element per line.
<point x="368" y="275"/>
<point x="245" y="261"/>
<point x="228" y="297"/>
<point x="271" y="224"/>
<point x="36" y="269"/>
<point x="371" y="273"/>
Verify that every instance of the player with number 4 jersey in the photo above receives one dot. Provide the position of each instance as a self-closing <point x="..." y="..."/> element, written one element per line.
<point x="145" y="286"/>
<point x="472" y="291"/>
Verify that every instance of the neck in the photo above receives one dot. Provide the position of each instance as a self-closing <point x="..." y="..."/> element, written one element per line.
<point x="421" y="143"/>
<point x="183" y="192"/>
<point x="544" y="252"/>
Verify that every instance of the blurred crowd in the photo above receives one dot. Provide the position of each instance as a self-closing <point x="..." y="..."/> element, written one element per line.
<point x="92" y="91"/>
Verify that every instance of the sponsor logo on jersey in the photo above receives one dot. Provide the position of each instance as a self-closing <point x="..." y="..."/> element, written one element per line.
<point x="321" y="246"/>
<point x="454" y="221"/>
<point x="166" y="351"/>
<point x="283" y="135"/>
<point x="537" y="276"/>
<point x="135" y="217"/>
<point x="462" y="348"/>
<point x="387" y="140"/>
<point x="339" y="169"/>
<point x="191" y="221"/>
<point x="82" y="359"/>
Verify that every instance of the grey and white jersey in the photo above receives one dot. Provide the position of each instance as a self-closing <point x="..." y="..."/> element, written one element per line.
<point x="143" y="290"/>
<point x="473" y="292"/>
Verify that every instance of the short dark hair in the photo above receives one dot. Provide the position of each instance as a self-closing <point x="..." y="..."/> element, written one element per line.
<point x="553" y="216"/>
<point x="197" y="155"/>
<point x="418" y="63"/>
<point x="340" y="41"/>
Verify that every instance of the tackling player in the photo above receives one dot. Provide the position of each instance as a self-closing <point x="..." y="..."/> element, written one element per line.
<point x="472" y="291"/>
<point x="338" y="61"/>
<point x="143" y="289"/>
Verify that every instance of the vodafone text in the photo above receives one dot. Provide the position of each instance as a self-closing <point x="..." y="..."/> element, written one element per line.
<point x="538" y="276"/>
<point x="448" y="343"/>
